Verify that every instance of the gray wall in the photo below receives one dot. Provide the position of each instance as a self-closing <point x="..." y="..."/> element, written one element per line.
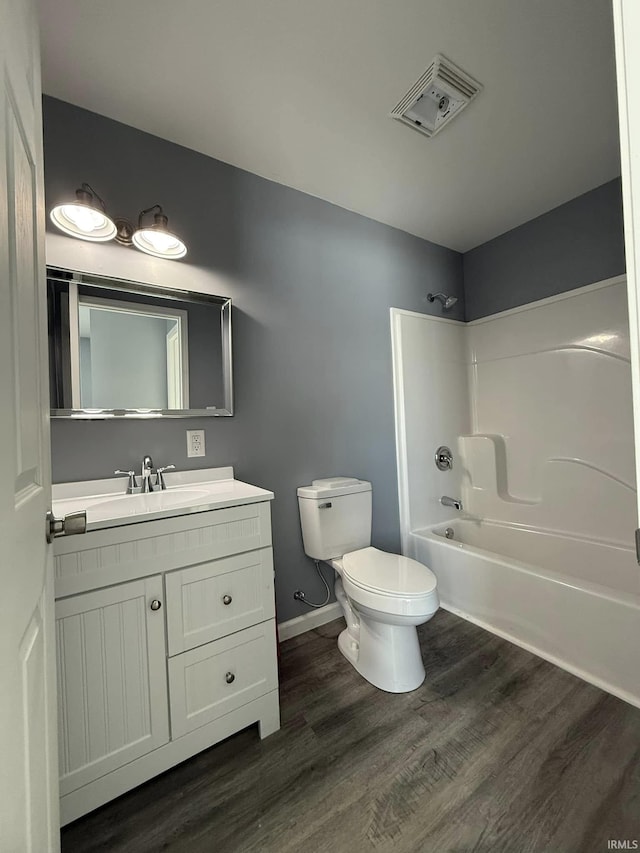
<point x="312" y="285"/>
<point x="576" y="244"/>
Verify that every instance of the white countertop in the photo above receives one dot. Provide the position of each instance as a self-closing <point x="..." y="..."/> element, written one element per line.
<point x="107" y="505"/>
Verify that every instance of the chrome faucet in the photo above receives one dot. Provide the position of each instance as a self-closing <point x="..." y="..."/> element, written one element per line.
<point x="146" y="481"/>
<point x="456" y="503"/>
<point x="147" y="469"/>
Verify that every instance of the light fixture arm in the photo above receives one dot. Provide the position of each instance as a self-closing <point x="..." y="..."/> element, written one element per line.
<point x="87" y="189"/>
<point x="160" y="212"/>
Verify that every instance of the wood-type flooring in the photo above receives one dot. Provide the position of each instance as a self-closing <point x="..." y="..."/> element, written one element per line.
<point x="497" y="751"/>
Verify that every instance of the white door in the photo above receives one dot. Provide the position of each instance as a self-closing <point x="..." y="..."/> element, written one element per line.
<point x="28" y="764"/>
<point x="626" y="15"/>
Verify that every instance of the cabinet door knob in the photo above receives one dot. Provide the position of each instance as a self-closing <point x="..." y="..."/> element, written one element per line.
<point x="226" y="599"/>
<point x="229" y="678"/>
<point x="156" y="604"/>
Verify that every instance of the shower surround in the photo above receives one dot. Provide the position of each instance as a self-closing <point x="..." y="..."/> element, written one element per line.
<point x="536" y="405"/>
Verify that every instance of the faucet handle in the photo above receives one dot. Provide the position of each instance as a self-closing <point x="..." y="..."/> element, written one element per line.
<point x="132" y="484"/>
<point x="160" y="471"/>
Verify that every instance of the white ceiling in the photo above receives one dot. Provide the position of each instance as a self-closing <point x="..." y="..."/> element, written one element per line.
<point x="299" y="91"/>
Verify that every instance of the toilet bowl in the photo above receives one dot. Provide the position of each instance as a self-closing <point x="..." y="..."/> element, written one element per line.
<point x="384" y="597"/>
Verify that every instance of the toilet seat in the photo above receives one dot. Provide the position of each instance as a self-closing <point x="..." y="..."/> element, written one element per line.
<point x="385" y="574"/>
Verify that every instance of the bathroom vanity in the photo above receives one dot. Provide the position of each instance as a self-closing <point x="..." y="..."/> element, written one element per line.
<point x="165" y="628"/>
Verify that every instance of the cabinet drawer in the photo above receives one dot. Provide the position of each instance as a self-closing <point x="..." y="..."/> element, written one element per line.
<point x="112" y="682"/>
<point x="105" y="557"/>
<point x="213" y="680"/>
<point x="214" y="599"/>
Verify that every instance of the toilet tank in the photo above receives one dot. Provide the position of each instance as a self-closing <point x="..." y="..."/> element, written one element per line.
<point x="335" y="515"/>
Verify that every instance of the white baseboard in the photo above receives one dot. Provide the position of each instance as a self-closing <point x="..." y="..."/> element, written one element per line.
<point x="308" y="621"/>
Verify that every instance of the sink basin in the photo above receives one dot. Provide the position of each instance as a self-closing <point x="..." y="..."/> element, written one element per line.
<point x="151" y="502"/>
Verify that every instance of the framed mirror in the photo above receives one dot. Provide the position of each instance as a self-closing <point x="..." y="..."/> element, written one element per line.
<point x="120" y="348"/>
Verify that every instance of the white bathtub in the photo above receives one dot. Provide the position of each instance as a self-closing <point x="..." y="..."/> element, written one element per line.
<point x="572" y="601"/>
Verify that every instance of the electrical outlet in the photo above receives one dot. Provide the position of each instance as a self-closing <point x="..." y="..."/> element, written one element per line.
<point x="195" y="442"/>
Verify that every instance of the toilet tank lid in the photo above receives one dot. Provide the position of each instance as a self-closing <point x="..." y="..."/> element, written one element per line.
<point x="333" y="487"/>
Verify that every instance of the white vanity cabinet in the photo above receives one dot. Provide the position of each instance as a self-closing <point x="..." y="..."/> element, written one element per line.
<point x="166" y="644"/>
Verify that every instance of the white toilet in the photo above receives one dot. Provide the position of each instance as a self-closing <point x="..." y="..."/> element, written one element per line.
<point x="383" y="596"/>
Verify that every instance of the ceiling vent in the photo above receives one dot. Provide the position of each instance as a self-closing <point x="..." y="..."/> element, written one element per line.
<point x="442" y="92"/>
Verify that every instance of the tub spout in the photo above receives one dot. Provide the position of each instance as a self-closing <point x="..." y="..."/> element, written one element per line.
<point x="454" y="502"/>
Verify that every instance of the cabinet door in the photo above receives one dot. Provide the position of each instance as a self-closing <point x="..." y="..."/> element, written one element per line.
<point x="216" y="679"/>
<point x="112" y="684"/>
<point x="214" y="599"/>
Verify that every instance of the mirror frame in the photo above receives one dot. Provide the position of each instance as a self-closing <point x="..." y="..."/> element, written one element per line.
<point x="124" y="285"/>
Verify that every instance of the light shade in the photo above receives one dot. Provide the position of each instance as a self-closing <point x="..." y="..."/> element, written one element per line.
<point x="85" y="217"/>
<point x="156" y="239"/>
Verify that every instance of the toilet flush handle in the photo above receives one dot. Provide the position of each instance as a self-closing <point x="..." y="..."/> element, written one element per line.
<point x="328" y="505"/>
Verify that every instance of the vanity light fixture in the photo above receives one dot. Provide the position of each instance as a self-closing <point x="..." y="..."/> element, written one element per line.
<point x="85" y="217"/>
<point x="156" y="239"/>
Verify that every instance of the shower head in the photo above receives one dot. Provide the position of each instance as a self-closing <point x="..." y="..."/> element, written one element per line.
<point x="447" y="301"/>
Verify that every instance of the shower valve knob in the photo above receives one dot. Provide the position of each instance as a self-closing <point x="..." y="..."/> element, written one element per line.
<point x="444" y="459"/>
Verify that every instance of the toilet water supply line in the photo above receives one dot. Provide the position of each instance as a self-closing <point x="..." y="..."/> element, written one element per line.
<point x="300" y="596"/>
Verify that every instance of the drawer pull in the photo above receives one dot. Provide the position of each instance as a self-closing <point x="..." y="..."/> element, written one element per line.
<point x="156" y="604"/>
<point x="229" y="678"/>
<point x="226" y="599"/>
